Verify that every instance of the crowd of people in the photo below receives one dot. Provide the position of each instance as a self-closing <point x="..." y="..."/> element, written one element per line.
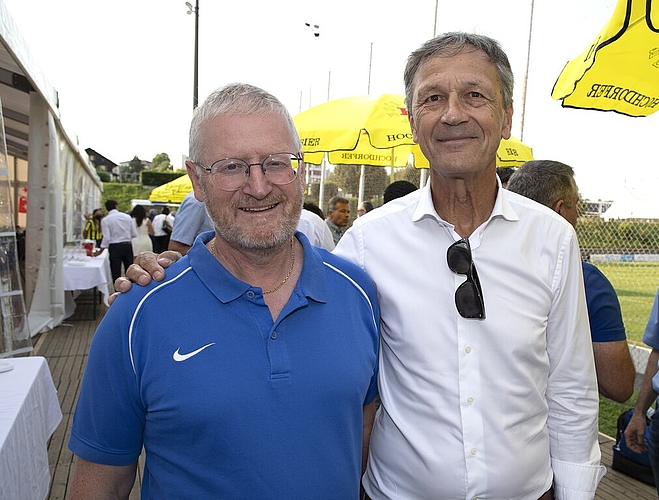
<point x="450" y="343"/>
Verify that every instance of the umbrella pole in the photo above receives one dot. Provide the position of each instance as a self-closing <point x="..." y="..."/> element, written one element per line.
<point x="321" y="190"/>
<point x="362" y="181"/>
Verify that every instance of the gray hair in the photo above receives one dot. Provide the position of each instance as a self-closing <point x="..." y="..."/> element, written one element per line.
<point x="334" y="201"/>
<point x="236" y="98"/>
<point x="545" y="181"/>
<point x="450" y="44"/>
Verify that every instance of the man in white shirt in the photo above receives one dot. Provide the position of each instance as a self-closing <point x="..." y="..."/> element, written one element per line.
<point x="118" y="229"/>
<point x="487" y="378"/>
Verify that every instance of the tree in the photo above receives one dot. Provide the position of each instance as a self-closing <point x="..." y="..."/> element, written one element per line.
<point x="135" y="165"/>
<point x="161" y="163"/>
<point x="346" y="177"/>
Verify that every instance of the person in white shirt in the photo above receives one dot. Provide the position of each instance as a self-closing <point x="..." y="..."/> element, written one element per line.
<point x="487" y="377"/>
<point x="315" y="229"/>
<point x="118" y="231"/>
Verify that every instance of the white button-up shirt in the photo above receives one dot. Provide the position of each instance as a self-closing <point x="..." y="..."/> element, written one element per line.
<point x="494" y="408"/>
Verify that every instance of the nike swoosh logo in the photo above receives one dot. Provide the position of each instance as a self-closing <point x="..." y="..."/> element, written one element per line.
<point x="182" y="357"/>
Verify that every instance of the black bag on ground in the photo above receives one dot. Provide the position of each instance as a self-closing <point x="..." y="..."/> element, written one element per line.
<point x="625" y="460"/>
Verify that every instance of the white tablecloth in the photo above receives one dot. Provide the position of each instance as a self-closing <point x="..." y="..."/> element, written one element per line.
<point x="83" y="275"/>
<point x="29" y="414"/>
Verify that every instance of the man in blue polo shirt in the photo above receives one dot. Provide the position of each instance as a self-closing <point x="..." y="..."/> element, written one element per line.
<point x="250" y="371"/>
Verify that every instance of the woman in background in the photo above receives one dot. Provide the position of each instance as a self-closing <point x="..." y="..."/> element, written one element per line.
<point x="144" y="231"/>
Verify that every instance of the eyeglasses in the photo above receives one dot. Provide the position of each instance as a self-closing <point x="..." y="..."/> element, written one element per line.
<point x="469" y="295"/>
<point x="232" y="173"/>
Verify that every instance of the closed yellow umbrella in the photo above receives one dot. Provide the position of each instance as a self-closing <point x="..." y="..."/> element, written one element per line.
<point x="620" y="70"/>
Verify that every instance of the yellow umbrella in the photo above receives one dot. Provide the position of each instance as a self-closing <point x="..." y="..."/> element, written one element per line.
<point x="172" y="192"/>
<point x="339" y="125"/>
<point x="620" y="70"/>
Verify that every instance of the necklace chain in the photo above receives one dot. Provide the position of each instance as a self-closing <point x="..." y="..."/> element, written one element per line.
<point x="288" y="274"/>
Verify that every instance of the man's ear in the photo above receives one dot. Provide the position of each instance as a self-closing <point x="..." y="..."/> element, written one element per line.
<point x="557" y="206"/>
<point x="192" y="173"/>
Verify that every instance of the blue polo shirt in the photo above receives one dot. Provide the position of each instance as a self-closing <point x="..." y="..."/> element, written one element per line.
<point x="604" y="313"/>
<point x="227" y="402"/>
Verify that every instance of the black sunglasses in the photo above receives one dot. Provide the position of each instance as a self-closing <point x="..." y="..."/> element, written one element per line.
<point x="469" y="295"/>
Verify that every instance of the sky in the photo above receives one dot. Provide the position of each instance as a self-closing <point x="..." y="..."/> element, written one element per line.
<point x="124" y="69"/>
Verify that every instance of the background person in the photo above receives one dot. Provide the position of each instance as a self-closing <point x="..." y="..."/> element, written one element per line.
<point x="338" y="216"/>
<point x="315" y="229"/>
<point x="163" y="224"/>
<point x="397" y="189"/>
<point x="191" y="220"/>
<point x="364" y="207"/>
<point x="92" y="230"/>
<point x="635" y="431"/>
<point x="142" y="242"/>
<point x="118" y="231"/>
<point x="551" y="183"/>
<point x="238" y="383"/>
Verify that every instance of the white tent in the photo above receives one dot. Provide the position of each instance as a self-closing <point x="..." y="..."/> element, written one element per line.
<point x="50" y="183"/>
<point x="632" y="203"/>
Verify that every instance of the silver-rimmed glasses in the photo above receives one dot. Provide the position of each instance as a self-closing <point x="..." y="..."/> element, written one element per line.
<point x="232" y="173"/>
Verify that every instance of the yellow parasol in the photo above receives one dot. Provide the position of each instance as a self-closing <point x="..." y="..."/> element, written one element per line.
<point x="620" y="70"/>
<point x="172" y="192"/>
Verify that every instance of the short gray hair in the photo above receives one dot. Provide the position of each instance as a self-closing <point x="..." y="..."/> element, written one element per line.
<point x="237" y="98"/>
<point x="450" y="44"/>
<point x="545" y="181"/>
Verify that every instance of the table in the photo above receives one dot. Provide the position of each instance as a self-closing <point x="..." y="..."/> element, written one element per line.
<point x="83" y="275"/>
<point x="29" y="414"/>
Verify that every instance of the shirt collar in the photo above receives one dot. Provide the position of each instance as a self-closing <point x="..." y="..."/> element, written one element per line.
<point x="502" y="207"/>
<point x="226" y="287"/>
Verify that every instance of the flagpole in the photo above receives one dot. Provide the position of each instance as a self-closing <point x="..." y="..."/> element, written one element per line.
<point x="526" y="74"/>
<point x="362" y="172"/>
<point x="423" y="175"/>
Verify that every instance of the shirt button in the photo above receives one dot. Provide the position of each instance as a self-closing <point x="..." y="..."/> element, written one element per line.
<point x="273" y="335"/>
<point x="470" y="400"/>
<point x="250" y="294"/>
<point x="468" y="349"/>
<point x="474" y="451"/>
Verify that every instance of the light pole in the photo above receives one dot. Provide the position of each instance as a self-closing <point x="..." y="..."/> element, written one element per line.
<point x="195" y="85"/>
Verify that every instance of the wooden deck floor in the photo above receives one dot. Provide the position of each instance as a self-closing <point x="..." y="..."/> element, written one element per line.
<point x="66" y="349"/>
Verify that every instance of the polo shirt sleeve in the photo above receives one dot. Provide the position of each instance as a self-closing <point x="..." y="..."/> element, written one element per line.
<point x="188" y="222"/>
<point x="651" y="335"/>
<point x="604" y="313"/>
